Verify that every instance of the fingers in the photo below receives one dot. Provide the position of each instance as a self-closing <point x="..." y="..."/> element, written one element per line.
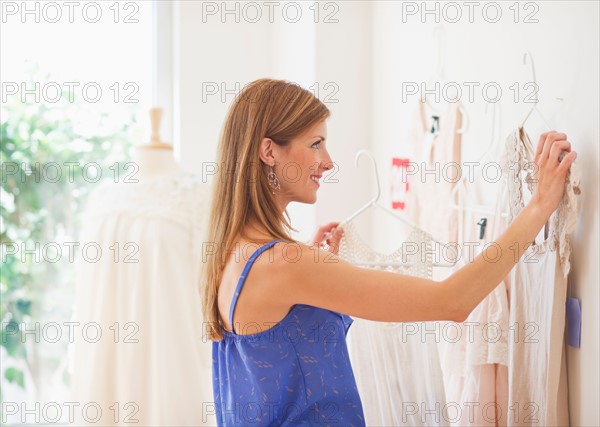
<point x="323" y="231"/>
<point x="556" y="149"/>
<point x="334" y="241"/>
<point x="566" y="162"/>
<point x="336" y="231"/>
<point x="328" y="227"/>
<point x="325" y="234"/>
<point x="540" y="145"/>
<point x="337" y="234"/>
<point x="551" y="137"/>
<point x="553" y="162"/>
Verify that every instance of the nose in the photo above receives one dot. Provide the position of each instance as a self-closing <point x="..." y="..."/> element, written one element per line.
<point x="327" y="163"/>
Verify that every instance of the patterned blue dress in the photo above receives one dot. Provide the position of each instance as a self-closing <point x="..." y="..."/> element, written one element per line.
<point x="295" y="373"/>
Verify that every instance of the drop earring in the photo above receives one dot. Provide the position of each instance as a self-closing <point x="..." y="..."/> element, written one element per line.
<point x="273" y="180"/>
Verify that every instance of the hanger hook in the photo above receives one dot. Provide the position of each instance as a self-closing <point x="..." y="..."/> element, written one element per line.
<point x="438" y="33"/>
<point x="465" y="120"/>
<point x="494" y="108"/>
<point x="525" y="56"/>
<point x="367" y="153"/>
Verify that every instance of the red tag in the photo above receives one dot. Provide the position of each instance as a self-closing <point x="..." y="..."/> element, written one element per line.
<point x="399" y="182"/>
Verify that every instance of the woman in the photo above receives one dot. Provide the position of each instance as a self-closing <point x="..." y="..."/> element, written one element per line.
<point x="279" y="350"/>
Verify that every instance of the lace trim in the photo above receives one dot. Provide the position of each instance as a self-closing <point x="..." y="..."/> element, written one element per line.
<point x="414" y="257"/>
<point x="181" y="198"/>
<point x="567" y="216"/>
<point x="518" y="158"/>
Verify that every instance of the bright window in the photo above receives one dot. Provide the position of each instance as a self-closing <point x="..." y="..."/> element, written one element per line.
<point x="76" y="90"/>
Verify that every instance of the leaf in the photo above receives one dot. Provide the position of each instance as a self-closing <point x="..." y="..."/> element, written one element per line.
<point x="14" y="375"/>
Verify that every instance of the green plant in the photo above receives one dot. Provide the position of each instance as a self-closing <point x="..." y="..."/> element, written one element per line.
<point x="35" y="140"/>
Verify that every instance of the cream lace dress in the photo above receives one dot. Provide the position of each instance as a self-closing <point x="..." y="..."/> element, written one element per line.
<point x="537" y="295"/>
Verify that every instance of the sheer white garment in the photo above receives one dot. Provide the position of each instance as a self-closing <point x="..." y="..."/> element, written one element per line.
<point x="474" y="353"/>
<point x="150" y="365"/>
<point x="396" y="365"/>
<point x="537" y="363"/>
<point x="437" y="157"/>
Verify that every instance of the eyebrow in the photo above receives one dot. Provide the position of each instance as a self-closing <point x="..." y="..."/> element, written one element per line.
<point x="318" y="136"/>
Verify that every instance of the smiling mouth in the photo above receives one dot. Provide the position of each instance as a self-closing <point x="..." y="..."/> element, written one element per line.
<point x="315" y="179"/>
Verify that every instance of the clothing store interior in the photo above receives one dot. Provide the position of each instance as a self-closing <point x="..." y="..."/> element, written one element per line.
<point x="112" y="117"/>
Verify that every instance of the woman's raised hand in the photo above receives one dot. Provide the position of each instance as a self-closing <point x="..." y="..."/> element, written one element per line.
<point x="550" y="174"/>
<point x="328" y="235"/>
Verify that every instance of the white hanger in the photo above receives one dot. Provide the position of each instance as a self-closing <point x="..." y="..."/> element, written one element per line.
<point x="374" y="202"/>
<point x="534" y="107"/>
<point x="488" y="153"/>
<point x="439" y="76"/>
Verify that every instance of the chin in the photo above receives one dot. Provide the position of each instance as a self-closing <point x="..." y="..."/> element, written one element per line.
<point x="310" y="200"/>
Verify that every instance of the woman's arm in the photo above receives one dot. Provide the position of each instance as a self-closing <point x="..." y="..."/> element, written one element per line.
<point x="316" y="277"/>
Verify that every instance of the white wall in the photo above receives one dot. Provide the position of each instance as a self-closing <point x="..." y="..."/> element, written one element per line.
<point x="212" y="53"/>
<point x="367" y="55"/>
<point x="225" y="52"/>
<point x="343" y="55"/>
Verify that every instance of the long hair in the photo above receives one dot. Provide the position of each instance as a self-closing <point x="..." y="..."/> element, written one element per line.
<point x="265" y="108"/>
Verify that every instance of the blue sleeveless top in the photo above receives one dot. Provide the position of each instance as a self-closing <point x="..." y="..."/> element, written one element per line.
<point x="295" y="373"/>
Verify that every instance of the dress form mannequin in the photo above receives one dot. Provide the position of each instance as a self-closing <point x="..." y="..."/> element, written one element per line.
<point x="150" y="365"/>
<point x="155" y="158"/>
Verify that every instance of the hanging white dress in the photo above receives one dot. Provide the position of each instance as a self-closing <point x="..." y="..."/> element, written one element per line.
<point x="436" y="142"/>
<point x="537" y="363"/>
<point x="474" y="353"/>
<point x="150" y="365"/>
<point x="396" y="365"/>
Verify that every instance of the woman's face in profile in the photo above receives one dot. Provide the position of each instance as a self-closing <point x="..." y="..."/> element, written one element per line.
<point x="302" y="165"/>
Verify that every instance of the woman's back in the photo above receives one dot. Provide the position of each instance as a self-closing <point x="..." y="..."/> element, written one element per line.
<point x="293" y="372"/>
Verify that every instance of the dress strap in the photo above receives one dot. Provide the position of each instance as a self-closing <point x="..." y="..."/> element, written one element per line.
<point x="243" y="276"/>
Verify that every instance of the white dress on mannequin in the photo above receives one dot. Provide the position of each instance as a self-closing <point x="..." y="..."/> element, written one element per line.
<point x="150" y="366"/>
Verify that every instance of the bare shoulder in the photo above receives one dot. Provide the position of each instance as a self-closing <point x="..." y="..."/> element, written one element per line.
<point x="295" y="252"/>
<point x="306" y="274"/>
<point x="291" y="258"/>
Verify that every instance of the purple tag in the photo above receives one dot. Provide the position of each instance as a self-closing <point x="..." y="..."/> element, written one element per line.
<point x="573" y="322"/>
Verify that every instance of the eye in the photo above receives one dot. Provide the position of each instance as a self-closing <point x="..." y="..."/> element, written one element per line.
<point x="316" y="144"/>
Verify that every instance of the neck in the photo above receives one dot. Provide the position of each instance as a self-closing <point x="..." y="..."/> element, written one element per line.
<point x="282" y="204"/>
<point x="253" y="231"/>
<point x="155" y="162"/>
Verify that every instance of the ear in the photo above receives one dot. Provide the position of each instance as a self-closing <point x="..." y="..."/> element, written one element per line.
<point x="265" y="151"/>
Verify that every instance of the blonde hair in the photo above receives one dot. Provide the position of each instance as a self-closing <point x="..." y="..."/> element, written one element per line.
<point x="265" y="108"/>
